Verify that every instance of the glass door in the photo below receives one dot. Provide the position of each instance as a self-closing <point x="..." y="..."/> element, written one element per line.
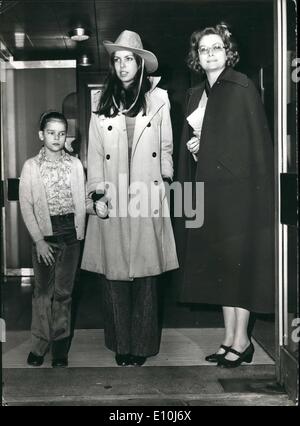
<point x="287" y="198"/>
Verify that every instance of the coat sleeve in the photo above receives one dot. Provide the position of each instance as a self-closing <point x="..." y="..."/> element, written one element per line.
<point x="95" y="164"/>
<point x="166" y="140"/>
<point x="26" y="203"/>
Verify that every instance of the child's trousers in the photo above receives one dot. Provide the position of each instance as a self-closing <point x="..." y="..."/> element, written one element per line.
<point x="53" y="286"/>
<point x="131" y="316"/>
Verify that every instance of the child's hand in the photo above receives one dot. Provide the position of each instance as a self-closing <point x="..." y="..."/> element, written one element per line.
<point x="45" y="252"/>
<point x="101" y="209"/>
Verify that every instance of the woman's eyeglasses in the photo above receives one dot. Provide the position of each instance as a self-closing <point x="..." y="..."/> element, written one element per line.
<point x="216" y="48"/>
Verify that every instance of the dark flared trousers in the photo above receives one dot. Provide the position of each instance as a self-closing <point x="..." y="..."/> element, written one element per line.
<point x="131" y="316"/>
<point x="52" y="292"/>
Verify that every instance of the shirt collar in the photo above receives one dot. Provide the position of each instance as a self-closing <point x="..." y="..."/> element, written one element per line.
<point x="43" y="158"/>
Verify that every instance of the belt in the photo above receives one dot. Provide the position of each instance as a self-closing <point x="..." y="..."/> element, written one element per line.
<point x="63" y="216"/>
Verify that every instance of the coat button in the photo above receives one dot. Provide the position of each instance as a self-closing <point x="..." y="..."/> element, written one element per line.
<point x="156" y="182"/>
<point x="108" y="157"/>
<point x="149" y="125"/>
<point x="154" y="154"/>
<point x="218" y="167"/>
<point x="155" y="212"/>
<point x="109" y="127"/>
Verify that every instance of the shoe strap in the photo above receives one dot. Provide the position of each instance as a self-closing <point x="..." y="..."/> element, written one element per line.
<point x="235" y="352"/>
<point x="226" y="348"/>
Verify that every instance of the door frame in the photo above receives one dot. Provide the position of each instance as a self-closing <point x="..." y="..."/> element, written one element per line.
<point x="286" y="362"/>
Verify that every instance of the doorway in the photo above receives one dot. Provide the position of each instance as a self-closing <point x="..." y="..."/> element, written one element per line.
<point x="265" y="31"/>
<point x="287" y="341"/>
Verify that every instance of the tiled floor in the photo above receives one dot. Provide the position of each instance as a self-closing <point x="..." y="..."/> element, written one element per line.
<point x="177" y="376"/>
<point x="179" y="347"/>
<point x="160" y="386"/>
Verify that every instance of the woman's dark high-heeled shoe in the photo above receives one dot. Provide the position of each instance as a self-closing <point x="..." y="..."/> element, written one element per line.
<point x="123" y="360"/>
<point x="216" y="357"/>
<point x="245" y="356"/>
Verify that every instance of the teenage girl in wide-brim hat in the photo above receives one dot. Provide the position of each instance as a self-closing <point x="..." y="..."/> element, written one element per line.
<point x="130" y="145"/>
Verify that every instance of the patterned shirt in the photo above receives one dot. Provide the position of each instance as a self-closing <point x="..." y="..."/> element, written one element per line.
<point x="56" y="176"/>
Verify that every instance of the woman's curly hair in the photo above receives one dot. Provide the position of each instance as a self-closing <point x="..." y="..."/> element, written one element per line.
<point x="221" y="30"/>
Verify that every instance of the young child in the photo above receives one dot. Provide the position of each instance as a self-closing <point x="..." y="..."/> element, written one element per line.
<point x="52" y="200"/>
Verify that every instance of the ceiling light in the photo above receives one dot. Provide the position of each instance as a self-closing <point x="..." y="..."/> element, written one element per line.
<point x="79" y="34"/>
<point x="84" y="61"/>
<point x="19" y="39"/>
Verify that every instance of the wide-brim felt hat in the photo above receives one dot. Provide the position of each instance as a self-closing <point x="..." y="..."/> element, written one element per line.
<point x="129" y="40"/>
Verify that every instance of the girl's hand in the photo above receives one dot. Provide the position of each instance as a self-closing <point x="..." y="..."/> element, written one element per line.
<point x="101" y="209"/>
<point x="45" y="252"/>
<point x="193" y="145"/>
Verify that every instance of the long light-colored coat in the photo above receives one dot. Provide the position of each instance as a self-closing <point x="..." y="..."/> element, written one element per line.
<point x="136" y="240"/>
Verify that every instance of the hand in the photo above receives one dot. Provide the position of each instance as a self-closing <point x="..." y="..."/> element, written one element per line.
<point x="45" y="252"/>
<point x="101" y="209"/>
<point x="193" y="145"/>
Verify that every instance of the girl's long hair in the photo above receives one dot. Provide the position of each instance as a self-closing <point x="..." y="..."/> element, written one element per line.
<point x="114" y="88"/>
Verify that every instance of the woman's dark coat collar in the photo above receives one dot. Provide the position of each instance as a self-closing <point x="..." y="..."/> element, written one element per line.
<point x="233" y="76"/>
<point x="228" y="74"/>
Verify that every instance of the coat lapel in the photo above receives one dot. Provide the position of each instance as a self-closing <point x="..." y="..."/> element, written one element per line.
<point x="194" y="99"/>
<point x="154" y="104"/>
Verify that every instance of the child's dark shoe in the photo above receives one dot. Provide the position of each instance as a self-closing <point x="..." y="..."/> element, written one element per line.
<point x="35" y="360"/>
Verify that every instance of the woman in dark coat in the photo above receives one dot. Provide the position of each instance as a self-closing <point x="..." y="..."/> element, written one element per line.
<point x="229" y="261"/>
